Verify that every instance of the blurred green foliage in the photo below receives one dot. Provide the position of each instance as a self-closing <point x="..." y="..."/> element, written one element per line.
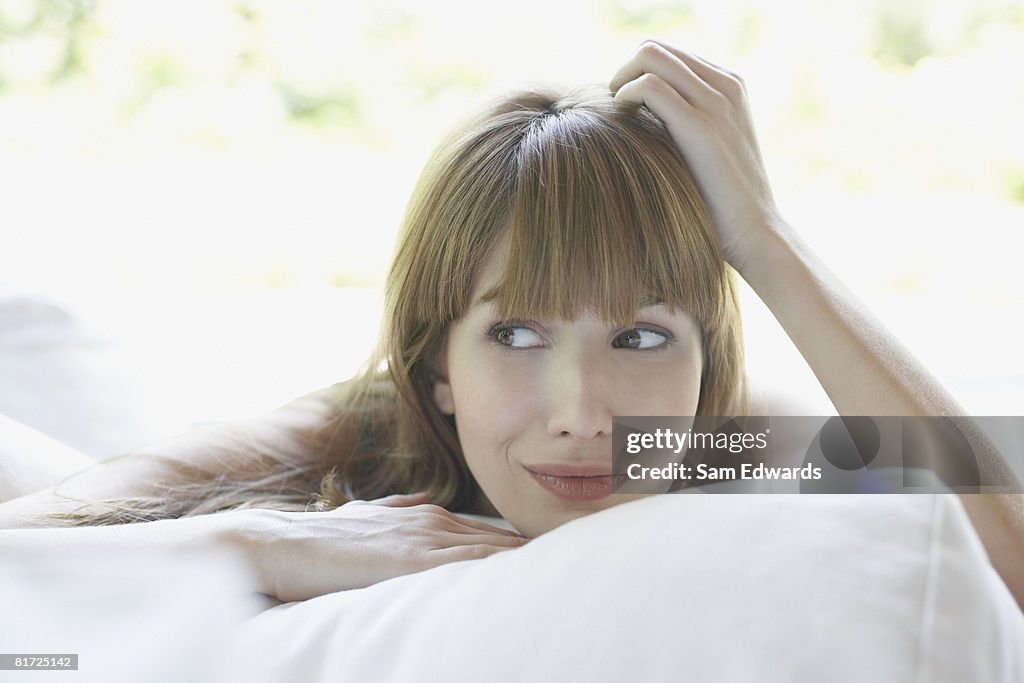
<point x="919" y="96"/>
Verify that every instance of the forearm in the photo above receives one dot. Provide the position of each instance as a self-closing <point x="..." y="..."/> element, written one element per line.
<point x="212" y="537"/>
<point x="866" y="371"/>
<point x="207" y="531"/>
<point x="861" y="366"/>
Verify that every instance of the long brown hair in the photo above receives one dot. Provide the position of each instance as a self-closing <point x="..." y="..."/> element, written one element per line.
<point x="597" y="209"/>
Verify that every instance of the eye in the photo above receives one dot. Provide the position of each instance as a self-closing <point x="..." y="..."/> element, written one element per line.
<point x="515" y="336"/>
<point x="639" y="338"/>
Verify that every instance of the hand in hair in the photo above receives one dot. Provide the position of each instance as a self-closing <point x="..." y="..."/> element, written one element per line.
<point x="300" y="555"/>
<point x="704" y="107"/>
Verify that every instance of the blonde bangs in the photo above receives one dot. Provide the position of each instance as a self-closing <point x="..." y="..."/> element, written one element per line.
<point x="599" y="222"/>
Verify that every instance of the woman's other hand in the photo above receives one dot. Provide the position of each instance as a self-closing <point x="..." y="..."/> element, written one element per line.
<point x="300" y="555"/>
<point x="705" y="109"/>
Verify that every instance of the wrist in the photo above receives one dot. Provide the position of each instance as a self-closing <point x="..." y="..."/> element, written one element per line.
<point x="248" y="533"/>
<point x="764" y="250"/>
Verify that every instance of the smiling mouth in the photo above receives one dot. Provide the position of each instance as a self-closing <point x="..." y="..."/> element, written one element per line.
<point x="574" y="482"/>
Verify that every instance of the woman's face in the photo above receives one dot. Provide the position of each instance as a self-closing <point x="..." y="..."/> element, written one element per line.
<point x="533" y="400"/>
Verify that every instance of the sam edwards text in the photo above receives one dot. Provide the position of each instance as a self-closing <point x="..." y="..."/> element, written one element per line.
<point x="703" y="471"/>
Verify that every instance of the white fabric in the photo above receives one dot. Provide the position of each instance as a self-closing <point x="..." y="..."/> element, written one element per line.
<point x="155" y="615"/>
<point x="31" y="461"/>
<point x="68" y="380"/>
<point x="685" y="587"/>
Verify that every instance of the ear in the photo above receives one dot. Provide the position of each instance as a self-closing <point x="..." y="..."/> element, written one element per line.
<point x="437" y="372"/>
<point x="443" y="396"/>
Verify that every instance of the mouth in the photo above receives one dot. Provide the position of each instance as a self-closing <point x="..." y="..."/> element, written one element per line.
<point x="575" y="482"/>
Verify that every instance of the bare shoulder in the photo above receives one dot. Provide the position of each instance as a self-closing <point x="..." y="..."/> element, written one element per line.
<point x="297" y="435"/>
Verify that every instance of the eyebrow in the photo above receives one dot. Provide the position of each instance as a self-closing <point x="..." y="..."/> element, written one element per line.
<point x="481" y="301"/>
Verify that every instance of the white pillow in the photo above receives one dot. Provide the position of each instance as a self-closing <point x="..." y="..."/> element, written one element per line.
<point x="694" y="587"/>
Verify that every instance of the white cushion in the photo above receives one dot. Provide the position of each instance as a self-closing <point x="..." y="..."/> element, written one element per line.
<point x="695" y="587"/>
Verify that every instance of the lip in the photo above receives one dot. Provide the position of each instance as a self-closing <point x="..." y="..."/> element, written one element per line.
<point x="574" y="481"/>
<point x="572" y="469"/>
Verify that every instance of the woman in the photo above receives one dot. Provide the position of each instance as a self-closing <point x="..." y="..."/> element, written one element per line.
<point x="564" y="259"/>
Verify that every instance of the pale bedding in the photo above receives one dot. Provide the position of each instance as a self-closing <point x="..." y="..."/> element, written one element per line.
<point x="684" y="587"/>
<point x="701" y="587"/>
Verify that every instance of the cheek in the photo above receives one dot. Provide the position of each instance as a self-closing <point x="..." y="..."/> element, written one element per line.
<point x="493" y="401"/>
<point x="659" y="390"/>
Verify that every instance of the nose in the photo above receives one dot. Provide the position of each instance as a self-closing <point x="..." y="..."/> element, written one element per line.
<point x="580" y="396"/>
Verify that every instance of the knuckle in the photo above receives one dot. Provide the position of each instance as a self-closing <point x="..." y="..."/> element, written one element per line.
<point x="429" y="512"/>
<point x="651" y="49"/>
<point x="480" y="551"/>
<point x="652" y="81"/>
<point x="721" y="101"/>
<point x="704" y="122"/>
<point x="734" y="82"/>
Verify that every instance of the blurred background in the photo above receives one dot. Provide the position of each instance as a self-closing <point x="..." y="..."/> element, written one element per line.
<point x="199" y="199"/>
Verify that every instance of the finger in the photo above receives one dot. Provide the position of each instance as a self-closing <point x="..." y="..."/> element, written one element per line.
<point x="685" y="123"/>
<point x="485" y="532"/>
<point x="497" y="540"/>
<point x="474" y="551"/>
<point x="462" y="524"/>
<point x="727" y="82"/>
<point x="483" y="526"/>
<point x="402" y="499"/>
<point x="721" y="79"/>
<point x="653" y="58"/>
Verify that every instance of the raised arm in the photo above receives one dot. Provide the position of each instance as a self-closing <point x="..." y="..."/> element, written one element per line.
<point x="861" y="366"/>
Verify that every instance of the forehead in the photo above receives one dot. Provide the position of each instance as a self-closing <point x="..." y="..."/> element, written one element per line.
<point x="487" y="294"/>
